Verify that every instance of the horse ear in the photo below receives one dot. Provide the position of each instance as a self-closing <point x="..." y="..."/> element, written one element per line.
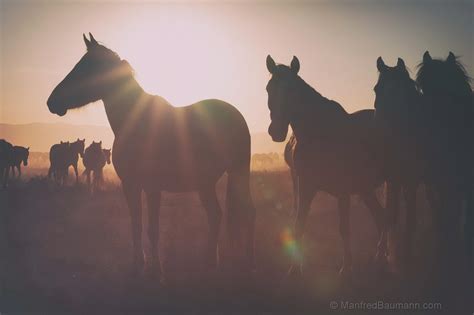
<point x="427" y="57"/>
<point x="451" y="58"/>
<point x="271" y="66"/>
<point x="84" y="140"/>
<point x="100" y="142"/>
<point x="93" y="41"/>
<point x="28" y="149"/>
<point x="86" y="41"/>
<point x="295" y="65"/>
<point x="400" y="63"/>
<point x="61" y="142"/>
<point x="381" y="64"/>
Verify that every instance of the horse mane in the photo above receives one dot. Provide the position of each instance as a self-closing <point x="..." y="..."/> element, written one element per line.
<point x="113" y="58"/>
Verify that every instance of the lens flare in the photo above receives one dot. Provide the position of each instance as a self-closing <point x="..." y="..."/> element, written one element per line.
<point x="290" y="246"/>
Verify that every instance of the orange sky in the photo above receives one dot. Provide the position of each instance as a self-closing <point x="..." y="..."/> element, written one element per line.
<point x="191" y="51"/>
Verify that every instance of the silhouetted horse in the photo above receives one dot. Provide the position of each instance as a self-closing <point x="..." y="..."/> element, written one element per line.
<point x="94" y="161"/>
<point x="159" y="147"/>
<point x="448" y="109"/>
<point x="63" y="155"/>
<point x="6" y="157"/>
<point x="334" y="150"/>
<point x="20" y="154"/>
<point x="398" y="115"/>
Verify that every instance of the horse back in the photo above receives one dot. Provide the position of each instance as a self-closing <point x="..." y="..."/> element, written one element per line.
<point x="181" y="144"/>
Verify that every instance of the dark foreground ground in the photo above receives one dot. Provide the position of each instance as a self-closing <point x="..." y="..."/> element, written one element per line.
<point x="66" y="251"/>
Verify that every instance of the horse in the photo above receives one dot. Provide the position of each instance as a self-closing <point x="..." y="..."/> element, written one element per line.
<point x="334" y="151"/>
<point x="397" y="117"/>
<point x="6" y="156"/>
<point x="64" y="155"/>
<point x="448" y="109"/>
<point x="94" y="161"/>
<point x="20" y="154"/>
<point x="159" y="147"/>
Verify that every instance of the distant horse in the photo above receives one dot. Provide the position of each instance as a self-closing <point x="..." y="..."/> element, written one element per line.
<point x="6" y="157"/>
<point x="334" y="150"/>
<point x="448" y="109"/>
<point x="20" y="154"/>
<point x="159" y="147"/>
<point x="94" y="161"/>
<point x="398" y="119"/>
<point x="63" y="155"/>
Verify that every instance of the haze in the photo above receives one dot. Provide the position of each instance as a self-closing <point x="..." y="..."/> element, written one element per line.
<point x="186" y="52"/>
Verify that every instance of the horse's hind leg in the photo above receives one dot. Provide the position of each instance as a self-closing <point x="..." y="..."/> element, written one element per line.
<point x="214" y="214"/>
<point x="132" y="195"/>
<point x="76" y="172"/>
<point x="154" y="200"/>
<point x="344" y="230"/>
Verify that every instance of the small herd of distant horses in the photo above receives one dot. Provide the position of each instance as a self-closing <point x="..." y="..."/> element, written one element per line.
<point x="62" y="156"/>
<point x="419" y="132"/>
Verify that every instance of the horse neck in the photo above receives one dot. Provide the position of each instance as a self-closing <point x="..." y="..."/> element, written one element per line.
<point x="121" y="100"/>
<point x="314" y="113"/>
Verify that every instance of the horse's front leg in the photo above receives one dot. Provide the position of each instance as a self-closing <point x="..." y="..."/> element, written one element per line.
<point x="154" y="200"/>
<point x="409" y="192"/>
<point x="379" y="217"/>
<point x="132" y="195"/>
<point x="306" y="194"/>
<point x="76" y="172"/>
<point x="13" y="171"/>
<point x="19" y="170"/>
<point x="344" y="230"/>
<point x="214" y="214"/>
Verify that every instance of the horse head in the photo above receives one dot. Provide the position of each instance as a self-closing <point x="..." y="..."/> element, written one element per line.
<point x="282" y="91"/>
<point x="395" y="91"/>
<point x="90" y="80"/>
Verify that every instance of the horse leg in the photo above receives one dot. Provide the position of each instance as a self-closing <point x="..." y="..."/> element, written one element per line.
<point x="154" y="200"/>
<point x="13" y="170"/>
<point x="409" y="192"/>
<point x="305" y="196"/>
<point x="76" y="172"/>
<point x="377" y="212"/>
<point x="344" y="230"/>
<point x="214" y="214"/>
<point x="19" y="170"/>
<point x="294" y="179"/>
<point x="393" y="209"/>
<point x="132" y="195"/>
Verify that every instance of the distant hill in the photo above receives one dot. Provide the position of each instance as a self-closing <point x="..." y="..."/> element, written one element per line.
<point x="40" y="136"/>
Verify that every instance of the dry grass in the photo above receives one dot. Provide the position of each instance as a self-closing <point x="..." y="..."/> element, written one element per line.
<point x="65" y="250"/>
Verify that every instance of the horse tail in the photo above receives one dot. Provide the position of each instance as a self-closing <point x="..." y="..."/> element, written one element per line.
<point x="241" y="212"/>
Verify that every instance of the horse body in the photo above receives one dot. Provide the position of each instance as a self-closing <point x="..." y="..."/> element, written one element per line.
<point x="6" y="157"/>
<point x="181" y="149"/>
<point x="62" y="156"/>
<point x="402" y="138"/>
<point x="95" y="158"/>
<point x="20" y="155"/>
<point x="333" y="151"/>
<point x="159" y="147"/>
<point x="449" y="111"/>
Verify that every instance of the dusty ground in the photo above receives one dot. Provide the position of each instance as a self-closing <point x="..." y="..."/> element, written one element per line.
<point x="64" y="250"/>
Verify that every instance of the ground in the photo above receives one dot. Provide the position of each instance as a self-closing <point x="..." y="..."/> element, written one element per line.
<point x="65" y="250"/>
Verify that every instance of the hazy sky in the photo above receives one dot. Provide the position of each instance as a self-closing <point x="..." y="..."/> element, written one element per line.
<point x="190" y="51"/>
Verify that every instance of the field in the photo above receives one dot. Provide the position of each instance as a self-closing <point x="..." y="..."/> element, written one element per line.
<point x="65" y="250"/>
